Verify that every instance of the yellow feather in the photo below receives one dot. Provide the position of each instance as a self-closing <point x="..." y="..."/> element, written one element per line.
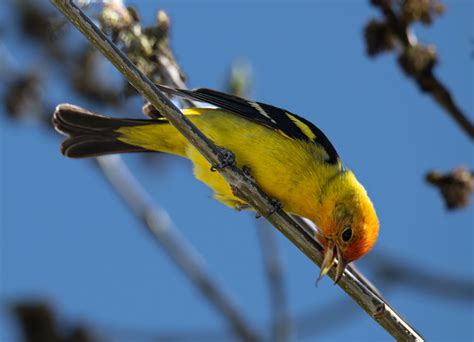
<point x="304" y="128"/>
<point x="285" y="168"/>
<point x="296" y="172"/>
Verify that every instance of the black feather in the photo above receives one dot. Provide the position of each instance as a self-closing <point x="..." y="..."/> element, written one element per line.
<point x="92" y="135"/>
<point x="272" y="117"/>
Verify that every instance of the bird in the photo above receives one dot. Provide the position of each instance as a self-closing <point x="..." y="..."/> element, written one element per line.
<point x="289" y="158"/>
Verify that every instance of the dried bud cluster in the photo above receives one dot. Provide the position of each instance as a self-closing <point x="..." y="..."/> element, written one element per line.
<point x="147" y="47"/>
<point x="456" y="187"/>
<point x="420" y="10"/>
<point x="39" y="322"/>
<point x="23" y="97"/>
<point x="417" y="60"/>
<point x="379" y="37"/>
<point x="117" y="17"/>
<point x="143" y="45"/>
<point x="382" y="35"/>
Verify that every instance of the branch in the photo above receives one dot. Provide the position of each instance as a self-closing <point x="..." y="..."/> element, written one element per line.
<point x="282" y="322"/>
<point x="456" y="186"/>
<point x="158" y="223"/>
<point x="375" y="306"/>
<point x="416" y="60"/>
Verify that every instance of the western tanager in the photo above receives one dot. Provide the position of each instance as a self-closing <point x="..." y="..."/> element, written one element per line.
<point x="288" y="156"/>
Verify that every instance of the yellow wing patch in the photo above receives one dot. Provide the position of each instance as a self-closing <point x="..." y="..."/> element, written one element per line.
<point x="194" y="111"/>
<point x="304" y="127"/>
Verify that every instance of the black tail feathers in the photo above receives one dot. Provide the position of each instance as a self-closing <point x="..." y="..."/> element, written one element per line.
<point x="92" y="135"/>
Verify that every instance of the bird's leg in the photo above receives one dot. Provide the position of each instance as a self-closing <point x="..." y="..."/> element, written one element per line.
<point x="226" y="158"/>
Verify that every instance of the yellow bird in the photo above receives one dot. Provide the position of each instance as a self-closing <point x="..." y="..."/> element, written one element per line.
<point x="289" y="158"/>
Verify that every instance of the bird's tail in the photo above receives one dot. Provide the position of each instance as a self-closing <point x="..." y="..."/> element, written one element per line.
<point x="91" y="135"/>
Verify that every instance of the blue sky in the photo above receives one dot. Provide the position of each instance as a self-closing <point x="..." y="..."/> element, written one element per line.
<point x="66" y="237"/>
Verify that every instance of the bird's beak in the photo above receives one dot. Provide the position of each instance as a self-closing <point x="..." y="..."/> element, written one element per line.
<point x="332" y="253"/>
<point x="328" y="260"/>
<point x="341" y="265"/>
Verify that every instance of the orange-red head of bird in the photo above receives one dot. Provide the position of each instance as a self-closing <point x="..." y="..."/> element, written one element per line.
<point x="348" y="223"/>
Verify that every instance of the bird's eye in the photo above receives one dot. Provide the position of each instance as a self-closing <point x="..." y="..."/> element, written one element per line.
<point x="346" y="234"/>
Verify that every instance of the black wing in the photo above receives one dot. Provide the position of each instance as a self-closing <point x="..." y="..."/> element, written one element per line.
<point x="275" y="118"/>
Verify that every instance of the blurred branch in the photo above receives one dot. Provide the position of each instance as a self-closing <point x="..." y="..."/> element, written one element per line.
<point x="85" y="79"/>
<point x="41" y="24"/>
<point x="150" y="49"/>
<point x="376" y="307"/>
<point x="315" y="323"/>
<point x="391" y="271"/>
<point x="415" y="59"/>
<point x="172" y="335"/>
<point x="456" y="187"/>
<point x="238" y="83"/>
<point x="392" y="274"/>
<point x="175" y="245"/>
<point x="23" y="97"/>
<point x="282" y="322"/>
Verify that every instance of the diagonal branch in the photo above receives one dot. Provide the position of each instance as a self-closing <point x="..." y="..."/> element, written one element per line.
<point x="281" y="327"/>
<point x="372" y="303"/>
<point x="158" y="223"/>
<point x="426" y="80"/>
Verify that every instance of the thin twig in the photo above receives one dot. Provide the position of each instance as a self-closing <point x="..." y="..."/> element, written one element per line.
<point x="282" y="322"/>
<point x="376" y="307"/>
<point x="158" y="223"/>
<point x="427" y="81"/>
